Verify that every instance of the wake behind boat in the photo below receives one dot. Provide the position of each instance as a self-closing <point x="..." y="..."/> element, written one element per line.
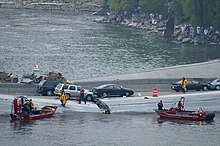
<point x="22" y="110"/>
<point x="180" y="113"/>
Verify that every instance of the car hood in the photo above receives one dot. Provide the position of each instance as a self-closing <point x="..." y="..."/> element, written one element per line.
<point x="176" y="84"/>
<point x="88" y="91"/>
<point x="128" y="89"/>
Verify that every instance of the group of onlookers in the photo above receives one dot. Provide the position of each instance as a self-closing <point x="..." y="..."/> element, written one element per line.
<point x="187" y="30"/>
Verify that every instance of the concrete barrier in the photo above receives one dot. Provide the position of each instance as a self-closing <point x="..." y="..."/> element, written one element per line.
<point x="18" y="89"/>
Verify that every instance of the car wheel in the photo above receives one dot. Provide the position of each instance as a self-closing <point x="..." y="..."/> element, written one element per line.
<point x="127" y="94"/>
<point x="89" y="97"/>
<point x="197" y="89"/>
<point x="177" y="90"/>
<point x="217" y="87"/>
<point x="49" y="93"/>
<point x="67" y="96"/>
<point x="205" y="88"/>
<point x="104" y="95"/>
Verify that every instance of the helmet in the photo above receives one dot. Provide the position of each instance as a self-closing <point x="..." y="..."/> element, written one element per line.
<point x="67" y="81"/>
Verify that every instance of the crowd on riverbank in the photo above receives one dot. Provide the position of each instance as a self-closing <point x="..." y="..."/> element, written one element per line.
<point x="152" y="23"/>
<point x="157" y="23"/>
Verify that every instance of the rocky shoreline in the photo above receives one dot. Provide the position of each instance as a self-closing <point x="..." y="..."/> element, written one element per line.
<point x="140" y="21"/>
<point x="63" y="5"/>
<point x="179" y="35"/>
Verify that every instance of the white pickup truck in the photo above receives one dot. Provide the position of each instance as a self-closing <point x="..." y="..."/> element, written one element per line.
<point x="72" y="91"/>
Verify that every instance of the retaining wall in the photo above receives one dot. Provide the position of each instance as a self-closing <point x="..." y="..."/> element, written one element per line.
<point x="18" y="89"/>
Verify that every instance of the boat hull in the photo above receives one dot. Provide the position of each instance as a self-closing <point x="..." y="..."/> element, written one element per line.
<point x="45" y="112"/>
<point x="185" y="115"/>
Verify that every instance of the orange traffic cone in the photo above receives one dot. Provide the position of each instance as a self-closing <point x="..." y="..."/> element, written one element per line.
<point x="155" y="92"/>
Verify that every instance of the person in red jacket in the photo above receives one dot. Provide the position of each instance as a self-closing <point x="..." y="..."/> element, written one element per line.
<point x="81" y="96"/>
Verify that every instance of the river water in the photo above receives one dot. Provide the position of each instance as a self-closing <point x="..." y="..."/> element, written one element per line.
<point x="74" y="45"/>
<point x="82" y="129"/>
<point x="79" y="48"/>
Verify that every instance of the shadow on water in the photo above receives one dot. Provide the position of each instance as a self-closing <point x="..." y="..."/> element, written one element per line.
<point x="22" y="127"/>
<point x="181" y="122"/>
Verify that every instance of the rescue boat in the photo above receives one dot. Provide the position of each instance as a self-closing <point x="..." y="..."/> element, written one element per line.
<point x="176" y="114"/>
<point x="18" y="112"/>
<point x="173" y="114"/>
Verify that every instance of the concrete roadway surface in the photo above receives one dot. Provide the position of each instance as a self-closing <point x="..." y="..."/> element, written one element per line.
<point x="208" y="101"/>
<point x="40" y="101"/>
<point x="209" y="69"/>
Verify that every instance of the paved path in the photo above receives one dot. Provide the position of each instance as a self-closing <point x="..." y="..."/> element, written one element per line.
<point x="210" y="69"/>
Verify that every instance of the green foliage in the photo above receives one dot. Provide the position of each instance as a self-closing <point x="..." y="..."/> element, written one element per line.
<point x="176" y="9"/>
<point x="105" y="3"/>
<point x="202" y="12"/>
<point x="122" y="5"/>
<point x="216" y="12"/>
<point x="154" y="6"/>
<point x="198" y="12"/>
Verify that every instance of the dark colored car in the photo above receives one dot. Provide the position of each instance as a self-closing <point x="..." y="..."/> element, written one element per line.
<point x="47" y="87"/>
<point x="191" y="85"/>
<point x="108" y="90"/>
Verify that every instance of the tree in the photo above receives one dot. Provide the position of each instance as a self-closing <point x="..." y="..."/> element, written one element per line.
<point x="201" y="12"/>
<point x="176" y="9"/>
<point x="105" y="3"/>
<point x="198" y="12"/>
<point x="154" y="6"/>
<point x="122" y="5"/>
<point x="216" y="20"/>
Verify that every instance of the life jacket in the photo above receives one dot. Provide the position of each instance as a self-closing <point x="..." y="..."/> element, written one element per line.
<point x="63" y="98"/>
<point x="184" y="83"/>
<point x="32" y="105"/>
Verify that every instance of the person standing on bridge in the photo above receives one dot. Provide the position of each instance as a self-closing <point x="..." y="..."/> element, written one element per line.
<point x="63" y="98"/>
<point x="184" y="83"/>
<point x="81" y="95"/>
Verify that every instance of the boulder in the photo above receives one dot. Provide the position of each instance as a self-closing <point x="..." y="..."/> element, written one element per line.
<point x="179" y="38"/>
<point x="99" y="20"/>
<point x="162" y="29"/>
<point x="199" y="40"/>
<point x="132" y="24"/>
<point x="186" y="40"/>
<point x="176" y="33"/>
<point x="89" y="7"/>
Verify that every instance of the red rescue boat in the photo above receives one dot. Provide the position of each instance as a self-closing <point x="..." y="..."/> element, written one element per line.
<point x="177" y="114"/>
<point x="185" y="115"/>
<point x="18" y="111"/>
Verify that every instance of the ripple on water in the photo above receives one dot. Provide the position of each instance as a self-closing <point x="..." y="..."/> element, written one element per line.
<point x="79" y="48"/>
